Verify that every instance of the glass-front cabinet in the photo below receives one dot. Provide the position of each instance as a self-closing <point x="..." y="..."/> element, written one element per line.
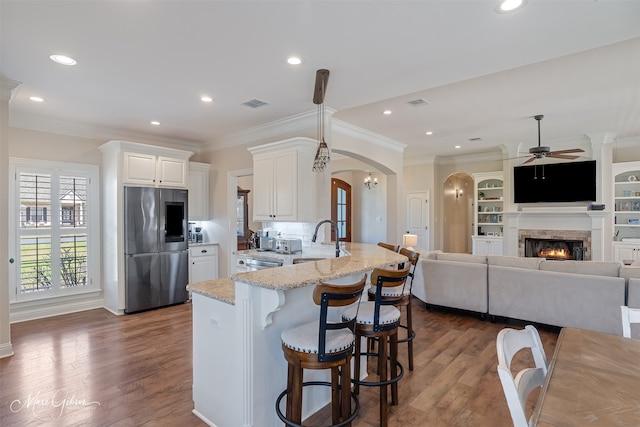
<point x="626" y="205"/>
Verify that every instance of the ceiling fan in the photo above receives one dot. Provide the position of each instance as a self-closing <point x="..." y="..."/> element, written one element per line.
<point x="541" y="151"/>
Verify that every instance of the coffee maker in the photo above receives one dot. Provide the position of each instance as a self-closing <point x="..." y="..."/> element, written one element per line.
<point x="265" y="243"/>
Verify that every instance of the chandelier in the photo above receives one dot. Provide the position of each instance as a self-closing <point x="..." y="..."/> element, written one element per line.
<point x="322" y="158"/>
<point x="370" y="183"/>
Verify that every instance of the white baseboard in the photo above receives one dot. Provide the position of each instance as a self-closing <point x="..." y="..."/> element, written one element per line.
<point x="203" y="418"/>
<point x="32" y="310"/>
<point x="6" y="350"/>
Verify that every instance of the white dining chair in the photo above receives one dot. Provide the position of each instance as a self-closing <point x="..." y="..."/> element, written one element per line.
<point x="517" y="389"/>
<point x="629" y="316"/>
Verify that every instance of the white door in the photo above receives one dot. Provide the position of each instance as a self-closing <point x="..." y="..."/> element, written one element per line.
<point x="417" y="217"/>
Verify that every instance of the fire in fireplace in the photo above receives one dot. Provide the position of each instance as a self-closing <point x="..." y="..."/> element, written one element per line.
<point x="555" y="249"/>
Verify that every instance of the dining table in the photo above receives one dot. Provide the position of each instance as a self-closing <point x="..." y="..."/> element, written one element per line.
<point x="593" y="380"/>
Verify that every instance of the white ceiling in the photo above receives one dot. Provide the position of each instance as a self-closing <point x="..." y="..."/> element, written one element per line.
<point x="484" y="74"/>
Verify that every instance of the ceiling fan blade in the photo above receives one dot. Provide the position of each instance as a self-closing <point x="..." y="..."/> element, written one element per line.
<point x="571" y="150"/>
<point x="555" y="155"/>
<point x="530" y="160"/>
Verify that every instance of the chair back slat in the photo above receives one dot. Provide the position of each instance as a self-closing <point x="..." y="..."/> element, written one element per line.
<point x="386" y="278"/>
<point x="629" y="316"/>
<point x="335" y="295"/>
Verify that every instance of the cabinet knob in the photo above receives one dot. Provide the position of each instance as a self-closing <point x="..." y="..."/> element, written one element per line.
<point x="204" y="251"/>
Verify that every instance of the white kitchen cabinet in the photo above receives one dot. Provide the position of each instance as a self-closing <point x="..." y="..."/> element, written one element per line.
<point x="203" y="263"/>
<point x="199" y="191"/>
<point x="483" y="245"/>
<point x="284" y="186"/>
<point x="626" y="252"/>
<point x="153" y="170"/>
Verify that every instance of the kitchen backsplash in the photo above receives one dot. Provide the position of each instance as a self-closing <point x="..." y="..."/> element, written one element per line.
<point x="295" y="230"/>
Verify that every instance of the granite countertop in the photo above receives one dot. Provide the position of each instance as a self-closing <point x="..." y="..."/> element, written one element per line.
<point x="362" y="258"/>
<point x="221" y="289"/>
<point x="193" y="244"/>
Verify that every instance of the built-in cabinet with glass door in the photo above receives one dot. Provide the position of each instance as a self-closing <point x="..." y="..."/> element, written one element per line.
<point x="489" y="202"/>
<point x="626" y="205"/>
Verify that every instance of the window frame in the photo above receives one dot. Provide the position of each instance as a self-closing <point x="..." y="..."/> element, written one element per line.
<point x="57" y="229"/>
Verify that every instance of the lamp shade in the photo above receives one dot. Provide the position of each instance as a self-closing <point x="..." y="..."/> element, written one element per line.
<point x="409" y="240"/>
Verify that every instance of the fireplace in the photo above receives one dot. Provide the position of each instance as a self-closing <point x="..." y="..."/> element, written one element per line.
<point x="554" y="249"/>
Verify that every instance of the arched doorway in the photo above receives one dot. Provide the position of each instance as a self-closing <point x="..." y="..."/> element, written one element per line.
<point x="457" y="197"/>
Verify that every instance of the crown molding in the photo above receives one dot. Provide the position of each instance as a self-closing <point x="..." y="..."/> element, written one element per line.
<point x="347" y="129"/>
<point x="7" y="86"/>
<point x="66" y="127"/>
<point x="291" y="125"/>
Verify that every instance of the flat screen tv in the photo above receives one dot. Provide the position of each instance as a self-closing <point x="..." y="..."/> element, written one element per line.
<point x="555" y="182"/>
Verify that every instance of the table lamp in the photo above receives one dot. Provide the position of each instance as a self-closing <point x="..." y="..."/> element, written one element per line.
<point x="409" y="241"/>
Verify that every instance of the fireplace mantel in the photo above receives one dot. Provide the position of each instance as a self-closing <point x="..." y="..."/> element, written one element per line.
<point x="578" y="218"/>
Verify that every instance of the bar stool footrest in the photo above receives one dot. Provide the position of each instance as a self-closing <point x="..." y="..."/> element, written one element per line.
<point x="380" y="383"/>
<point x="352" y="415"/>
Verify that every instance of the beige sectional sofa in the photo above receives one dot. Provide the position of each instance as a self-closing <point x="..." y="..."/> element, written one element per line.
<point x="581" y="294"/>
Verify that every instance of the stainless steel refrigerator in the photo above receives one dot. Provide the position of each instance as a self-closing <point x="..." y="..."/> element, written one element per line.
<point x="155" y="247"/>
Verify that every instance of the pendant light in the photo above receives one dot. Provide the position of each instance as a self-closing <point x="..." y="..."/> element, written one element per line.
<point x="322" y="158"/>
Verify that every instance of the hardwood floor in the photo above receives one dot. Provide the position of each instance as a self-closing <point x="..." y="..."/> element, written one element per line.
<point x="97" y="369"/>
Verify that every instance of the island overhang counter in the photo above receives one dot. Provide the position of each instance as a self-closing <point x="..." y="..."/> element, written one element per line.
<point x="238" y="365"/>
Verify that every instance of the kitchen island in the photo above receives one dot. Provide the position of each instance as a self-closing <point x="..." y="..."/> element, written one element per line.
<point x="238" y="365"/>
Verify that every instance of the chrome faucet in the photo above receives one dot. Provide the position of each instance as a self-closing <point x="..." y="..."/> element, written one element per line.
<point x="335" y="225"/>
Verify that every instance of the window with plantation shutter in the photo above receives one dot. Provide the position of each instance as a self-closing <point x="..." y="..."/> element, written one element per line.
<point x="56" y="251"/>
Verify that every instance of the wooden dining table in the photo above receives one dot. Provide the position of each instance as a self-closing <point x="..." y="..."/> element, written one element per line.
<point x="593" y="379"/>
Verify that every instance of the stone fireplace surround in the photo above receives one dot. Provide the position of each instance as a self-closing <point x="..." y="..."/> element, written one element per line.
<point x="583" y="235"/>
<point x="565" y="223"/>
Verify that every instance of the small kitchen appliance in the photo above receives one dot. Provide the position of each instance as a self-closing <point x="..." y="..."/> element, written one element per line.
<point x="288" y="246"/>
<point x="265" y="243"/>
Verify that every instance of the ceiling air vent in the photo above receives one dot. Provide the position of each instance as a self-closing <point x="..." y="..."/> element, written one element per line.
<point x="418" y="102"/>
<point x="255" y="103"/>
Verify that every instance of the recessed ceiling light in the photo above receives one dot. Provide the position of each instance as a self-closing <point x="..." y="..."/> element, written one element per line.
<point x="155" y="123"/>
<point x="457" y="146"/>
<point x="386" y="112"/>
<point x="429" y="132"/>
<point x="62" y="59"/>
<point x="36" y="99"/>
<point x="206" y="99"/>
<point x="294" y="60"/>
<point x="507" y="6"/>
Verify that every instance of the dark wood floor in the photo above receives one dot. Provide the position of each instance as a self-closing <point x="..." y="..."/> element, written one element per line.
<point x="97" y="369"/>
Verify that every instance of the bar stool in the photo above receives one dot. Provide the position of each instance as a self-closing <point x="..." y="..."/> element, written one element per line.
<point x="403" y="296"/>
<point x="322" y="344"/>
<point x="380" y="319"/>
<point x="389" y="246"/>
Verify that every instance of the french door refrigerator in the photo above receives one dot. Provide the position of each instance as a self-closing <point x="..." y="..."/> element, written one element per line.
<point x="156" y="247"/>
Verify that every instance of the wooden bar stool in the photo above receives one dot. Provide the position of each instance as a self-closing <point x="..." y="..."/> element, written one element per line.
<point x="389" y="246"/>
<point x="323" y="344"/>
<point x="402" y="294"/>
<point x="379" y="319"/>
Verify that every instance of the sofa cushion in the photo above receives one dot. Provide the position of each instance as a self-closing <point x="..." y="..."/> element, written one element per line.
<point x="630" y="271"/>
<point x="592" y="268"/>
<point x="424" y="254"/>
<point x="532" y="263"/>
<point x="445" y="256"/>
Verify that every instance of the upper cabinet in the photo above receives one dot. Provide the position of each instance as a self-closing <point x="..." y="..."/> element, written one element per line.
<point x="489" y="203"/>
<point x="199" y="191"/>
<point x="154" y="170"/>
<point x="626" y="194"/>
<point x="284" y="186"/>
